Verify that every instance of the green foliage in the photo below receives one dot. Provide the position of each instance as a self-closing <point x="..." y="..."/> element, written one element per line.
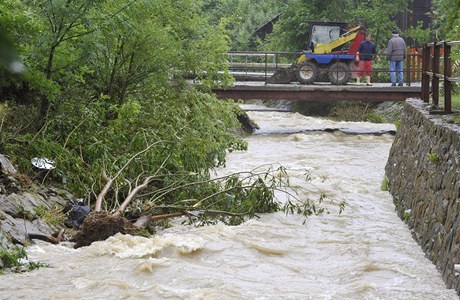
<point x="51" y="216"/>
<point x="374" y="117"/>
<point x="378" y="18"/>
<point x="446" y="19"/>
<point x="407" y="214"/>
<point x="418" y="34"/>
<point x="106" y="91"/>
<point x="16" y="260"/>
<point x="10" y="258"/>
<point x="241" y="18"/>
<point x="113" y="76"/>
<point x="234" y="198"/>
<point x="350" y="111"/>
<point x="434" y="157"/>
<point x="381" y="76"/>
<point x="456" y="100"/>
<point x="384" y="185"/>
<point x="290" y="33"/>
<point x="193" y="131"/>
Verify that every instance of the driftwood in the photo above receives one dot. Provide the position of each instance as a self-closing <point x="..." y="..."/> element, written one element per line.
<point x="56" y="238"/>
<point x="145" y="221"/>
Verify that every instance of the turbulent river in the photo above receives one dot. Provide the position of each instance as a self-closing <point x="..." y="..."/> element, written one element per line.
<point x="366" y="252"/>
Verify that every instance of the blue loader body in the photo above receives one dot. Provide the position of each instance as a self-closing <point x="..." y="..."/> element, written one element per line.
<point x="324" y="59"/>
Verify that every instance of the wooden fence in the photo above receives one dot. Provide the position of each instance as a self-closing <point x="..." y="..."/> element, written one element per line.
<point x="437" y="66"/>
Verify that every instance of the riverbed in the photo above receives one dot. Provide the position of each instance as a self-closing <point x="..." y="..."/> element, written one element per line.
<point x="364" y="252"/>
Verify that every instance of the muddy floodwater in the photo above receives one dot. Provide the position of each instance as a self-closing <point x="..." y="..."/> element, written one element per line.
<point x="366" y="252"/>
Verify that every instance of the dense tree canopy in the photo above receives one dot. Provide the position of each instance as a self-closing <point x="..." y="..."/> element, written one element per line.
<point x="290" y="32"/>
<point x="446" y="15"/>
<point x="102" y="82"/>
<point x="244" y="17"/>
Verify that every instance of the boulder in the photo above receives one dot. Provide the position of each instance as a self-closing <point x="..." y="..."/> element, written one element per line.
<point x="6" y="166"/>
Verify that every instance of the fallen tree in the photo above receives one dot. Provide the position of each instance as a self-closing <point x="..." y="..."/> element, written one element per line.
<point x="230" y="199"/>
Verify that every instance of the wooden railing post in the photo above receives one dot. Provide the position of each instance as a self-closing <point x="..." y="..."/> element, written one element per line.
<point x="425" y="76"/>
<point x="447" y="77"/>
<point x="407" y="73"/>
<point x="435" y="79"/>
<point x="414" y="64"/>
<point x="419" y="64"/>
<point x="266" y="68"/>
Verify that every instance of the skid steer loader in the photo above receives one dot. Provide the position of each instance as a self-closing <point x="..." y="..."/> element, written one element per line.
<point x="325" y="60"/>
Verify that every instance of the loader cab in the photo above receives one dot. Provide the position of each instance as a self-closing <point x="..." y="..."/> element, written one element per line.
<point x="324" y="32"/>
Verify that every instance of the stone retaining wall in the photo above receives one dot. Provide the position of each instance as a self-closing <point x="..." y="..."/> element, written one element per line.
<point x="423" y="172"/>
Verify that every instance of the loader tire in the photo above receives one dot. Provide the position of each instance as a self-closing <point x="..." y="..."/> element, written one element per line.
<point x="339" y="73"/>
<point x="306" y="72"/>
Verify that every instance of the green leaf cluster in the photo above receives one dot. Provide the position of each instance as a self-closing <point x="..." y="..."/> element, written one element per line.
<point x="242" y="18"/>
<point x="106" y="79"/>
<point x="16" y="260"/>
<point x="290" y="33"/>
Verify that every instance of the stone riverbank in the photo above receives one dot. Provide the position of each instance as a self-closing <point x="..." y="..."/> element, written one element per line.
<point x="423" y="172"/>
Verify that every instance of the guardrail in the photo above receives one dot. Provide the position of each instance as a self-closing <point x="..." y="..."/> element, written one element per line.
<point x="266" y="63"/>
<point x="437" y="66"/>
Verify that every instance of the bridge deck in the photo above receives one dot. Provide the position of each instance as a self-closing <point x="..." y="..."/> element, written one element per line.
<point x="319" y="91"/>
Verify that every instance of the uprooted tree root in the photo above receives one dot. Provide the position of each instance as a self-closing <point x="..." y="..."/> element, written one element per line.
<point x="98" y="226"/>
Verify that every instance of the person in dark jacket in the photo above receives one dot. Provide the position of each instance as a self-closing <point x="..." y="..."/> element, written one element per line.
<point x="365" y="55"/>
<point x="396" y="53"/>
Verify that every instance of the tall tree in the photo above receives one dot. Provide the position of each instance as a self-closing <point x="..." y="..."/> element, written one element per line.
<point x="147" y="42"/>
<point x="291" y="31"/>
<point x="63" y="22"/>
<point x="242" y="18"/>
<point x="118" y="73"/>
<point x="446" y="16"/>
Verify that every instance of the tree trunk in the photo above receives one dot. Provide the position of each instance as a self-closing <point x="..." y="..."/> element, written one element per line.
<point x="45" y="103"/>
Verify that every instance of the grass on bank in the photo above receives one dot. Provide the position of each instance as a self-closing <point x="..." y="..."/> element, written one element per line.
<point x="456" y="108"/>
<point x="456" y="101"/>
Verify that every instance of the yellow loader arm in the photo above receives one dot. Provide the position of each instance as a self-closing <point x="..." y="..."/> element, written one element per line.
<point x="343" y="39"/>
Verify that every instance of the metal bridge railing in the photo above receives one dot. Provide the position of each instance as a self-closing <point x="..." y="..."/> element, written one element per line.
<point x="266" y="63"/>
<point x="438" y="65"/>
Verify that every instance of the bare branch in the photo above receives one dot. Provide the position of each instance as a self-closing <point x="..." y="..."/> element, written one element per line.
<point x="131" y="195"/>
<point x="109" y="181"/>
<point x="73" y="130"/>
<point x="144" y="221"/>
<point x="100" y="197"/>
